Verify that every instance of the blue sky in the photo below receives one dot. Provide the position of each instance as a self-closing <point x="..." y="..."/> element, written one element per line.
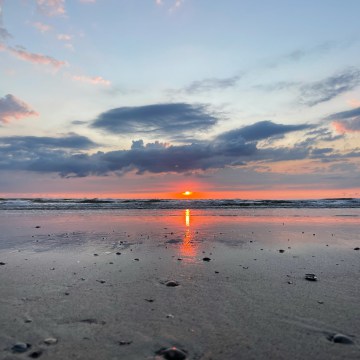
<point x="134" y="97"/>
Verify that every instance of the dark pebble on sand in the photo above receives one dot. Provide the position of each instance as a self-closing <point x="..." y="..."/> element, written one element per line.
<point x="20" y="347"/>
<point x="149" y="300"/>
<point x="35" y="354"/>
<point x="206" y="259"/>
<point x="137" y="259"/>
<point x="340" y="339"/>
<point x="118" y="253"/>
<point x="96" y="254"/>
<point x="101" y="281"/>
<point x="311" y="277"/>
<point x="357" y="248"/>
<point x="121" y="343"/>
<point x="172" y="353"/>
<point x="281" y="251"/>
<point x="2" y="263"/>
<point x="172" y="283"/>
<point x="67" y="293"/>
<point x="37" y="227"/>
<point x="216" y="272"/>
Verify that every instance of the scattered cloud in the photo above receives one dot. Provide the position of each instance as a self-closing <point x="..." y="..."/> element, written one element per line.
<point x="261" y="130"/>
<point x="23" y="54"/>
<point x="4" y="34"/>
<point x="158" y="119"/>
<point x="51" y="7"/>
<point x="327" y="89"/>
<point x="14" y="108"/>
<point x="174" y="4"/>
<point x="42" y="27"/>
<point x="211" y="84"/>
<point x="64" y="37"/>
<point x="87" y="1"/>
<point x="96" y="80"/>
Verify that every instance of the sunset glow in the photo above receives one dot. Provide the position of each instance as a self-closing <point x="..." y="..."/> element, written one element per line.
<point x="129" y="118"/>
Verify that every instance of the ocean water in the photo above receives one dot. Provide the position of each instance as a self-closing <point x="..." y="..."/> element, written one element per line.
<point x="126" y="204"/>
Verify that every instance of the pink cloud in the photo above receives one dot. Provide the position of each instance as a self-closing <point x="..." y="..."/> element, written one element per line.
<point x="14" y="108"/>
<point x="23" y="54"/>
<point x="87" y="1"/>
<point x="42" y="27"/>
<point x="51" y="7"/>
<point x="347" y="126"/>
<point x="96" y="80"/>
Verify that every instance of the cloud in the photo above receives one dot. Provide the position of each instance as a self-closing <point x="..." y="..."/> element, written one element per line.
<point x="14" y="108"/>
<point x="158" y="119"/>
<point x="4" y="34"/>
<point x="66" y="155"/>
<point x="96" y="80"/>
<point x="346" y="121"/>
<point x="25" y="55"/>
<point x="64" y="37"/>
<point x="175" y="4"/>
<point x="261" y="130"/>
<point x="51" y="7"/>
<point x="42" y="27"/>
<point x="327" y="89"/>
<point x="87" y="1"/>
<point x="211" y="84"/>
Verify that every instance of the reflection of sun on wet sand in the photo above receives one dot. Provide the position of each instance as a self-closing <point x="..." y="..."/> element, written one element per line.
<point x="253" y="300"/>
<point x="187" y="247"/>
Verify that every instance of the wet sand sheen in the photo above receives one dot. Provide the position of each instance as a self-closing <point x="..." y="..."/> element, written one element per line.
<point x="247" y="300"/>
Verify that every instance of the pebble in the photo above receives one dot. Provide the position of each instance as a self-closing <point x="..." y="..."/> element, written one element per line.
<point x="35" y="354"/>
<point x="172" y="283"/>
<point x="311" y="277"/>
<point x="2" y="263"/>
<point x="37" y="227"/>
<point x="118" y="253"/>
<point x="149" y="300"/>
<point x="20" y="347"/>
<point x="172" y="353"/>
<point x="357" y="248"/>
<point x="340" y="339"/>
<point x="50" y="341"/>
<point x="101" y="281"/>
<point x="206" y="259"/>
<point x="121" y="343"/>
<point x="96" y="254"/>
<point x="281" y="251"/>
<point x="136" y="259"/>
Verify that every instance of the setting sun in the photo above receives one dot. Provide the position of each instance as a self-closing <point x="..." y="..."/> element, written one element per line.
<point x="187" y="193"/>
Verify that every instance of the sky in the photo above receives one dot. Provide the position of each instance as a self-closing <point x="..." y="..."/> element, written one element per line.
<point x="247" y="99"/>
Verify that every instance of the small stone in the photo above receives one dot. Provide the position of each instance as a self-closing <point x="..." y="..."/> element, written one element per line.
<point x="281" y="251"/>
<point x="289" y="282"/>
<point x="96" y="254"/>
<point x="172" y="283"/>
<point x="67" y="293"/>
<point x="136" y="259"/>
<point x="206" y="259"/>
<point x="35" y="354"/>
<point x="311" y="277"/>
<point x="357" y="248"/>
<point x="216" y="272"/>
<point x="20" y="347"/>
<point x="2" y="263"/>
<point x="179" y="259"/>
<point x="101" y="281"/>
<point x="170" y="316"/>
<point x="37" y="227"/>
<point x="320" y="302"/>
<point x="149" y="300"/>
<point x="50" y="341"/>
<point x="118" y="253"/>
<point x="172" y="353"/>
<point x="52" y="268"/>
<point x="121" y="343"/>
<point x="340" y="339"/>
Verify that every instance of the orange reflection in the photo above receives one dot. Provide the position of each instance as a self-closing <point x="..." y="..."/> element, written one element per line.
<point x="187" y="247"/>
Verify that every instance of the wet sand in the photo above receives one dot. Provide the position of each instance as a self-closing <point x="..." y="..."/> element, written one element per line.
<point x="96" y="282"/>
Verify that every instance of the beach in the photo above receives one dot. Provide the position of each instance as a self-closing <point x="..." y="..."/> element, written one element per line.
<point x="213" y="283"/>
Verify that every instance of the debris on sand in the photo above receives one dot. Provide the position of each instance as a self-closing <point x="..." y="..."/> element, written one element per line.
<point x="172" y="353"/>
<point x="311" y="277"/>
<point x="340" y="339"/>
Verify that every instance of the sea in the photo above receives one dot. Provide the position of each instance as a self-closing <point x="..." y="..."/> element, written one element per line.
<point x="134" y="204"/>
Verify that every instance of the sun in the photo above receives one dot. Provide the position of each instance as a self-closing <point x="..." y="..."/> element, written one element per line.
<point x="187" y="193"/>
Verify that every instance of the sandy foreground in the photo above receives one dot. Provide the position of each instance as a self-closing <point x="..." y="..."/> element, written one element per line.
<point x="95" y="283"/>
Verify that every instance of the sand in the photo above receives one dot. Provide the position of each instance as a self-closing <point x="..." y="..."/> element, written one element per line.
<point x="250" y="301"/>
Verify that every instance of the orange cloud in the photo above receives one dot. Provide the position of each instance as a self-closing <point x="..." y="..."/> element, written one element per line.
<point x="96" y="80"/>
<point x="347" y="126"/>
<point x="14" y="108"/>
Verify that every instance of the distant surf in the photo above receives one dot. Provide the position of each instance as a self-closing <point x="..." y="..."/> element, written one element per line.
<point x="113" y="204"/>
